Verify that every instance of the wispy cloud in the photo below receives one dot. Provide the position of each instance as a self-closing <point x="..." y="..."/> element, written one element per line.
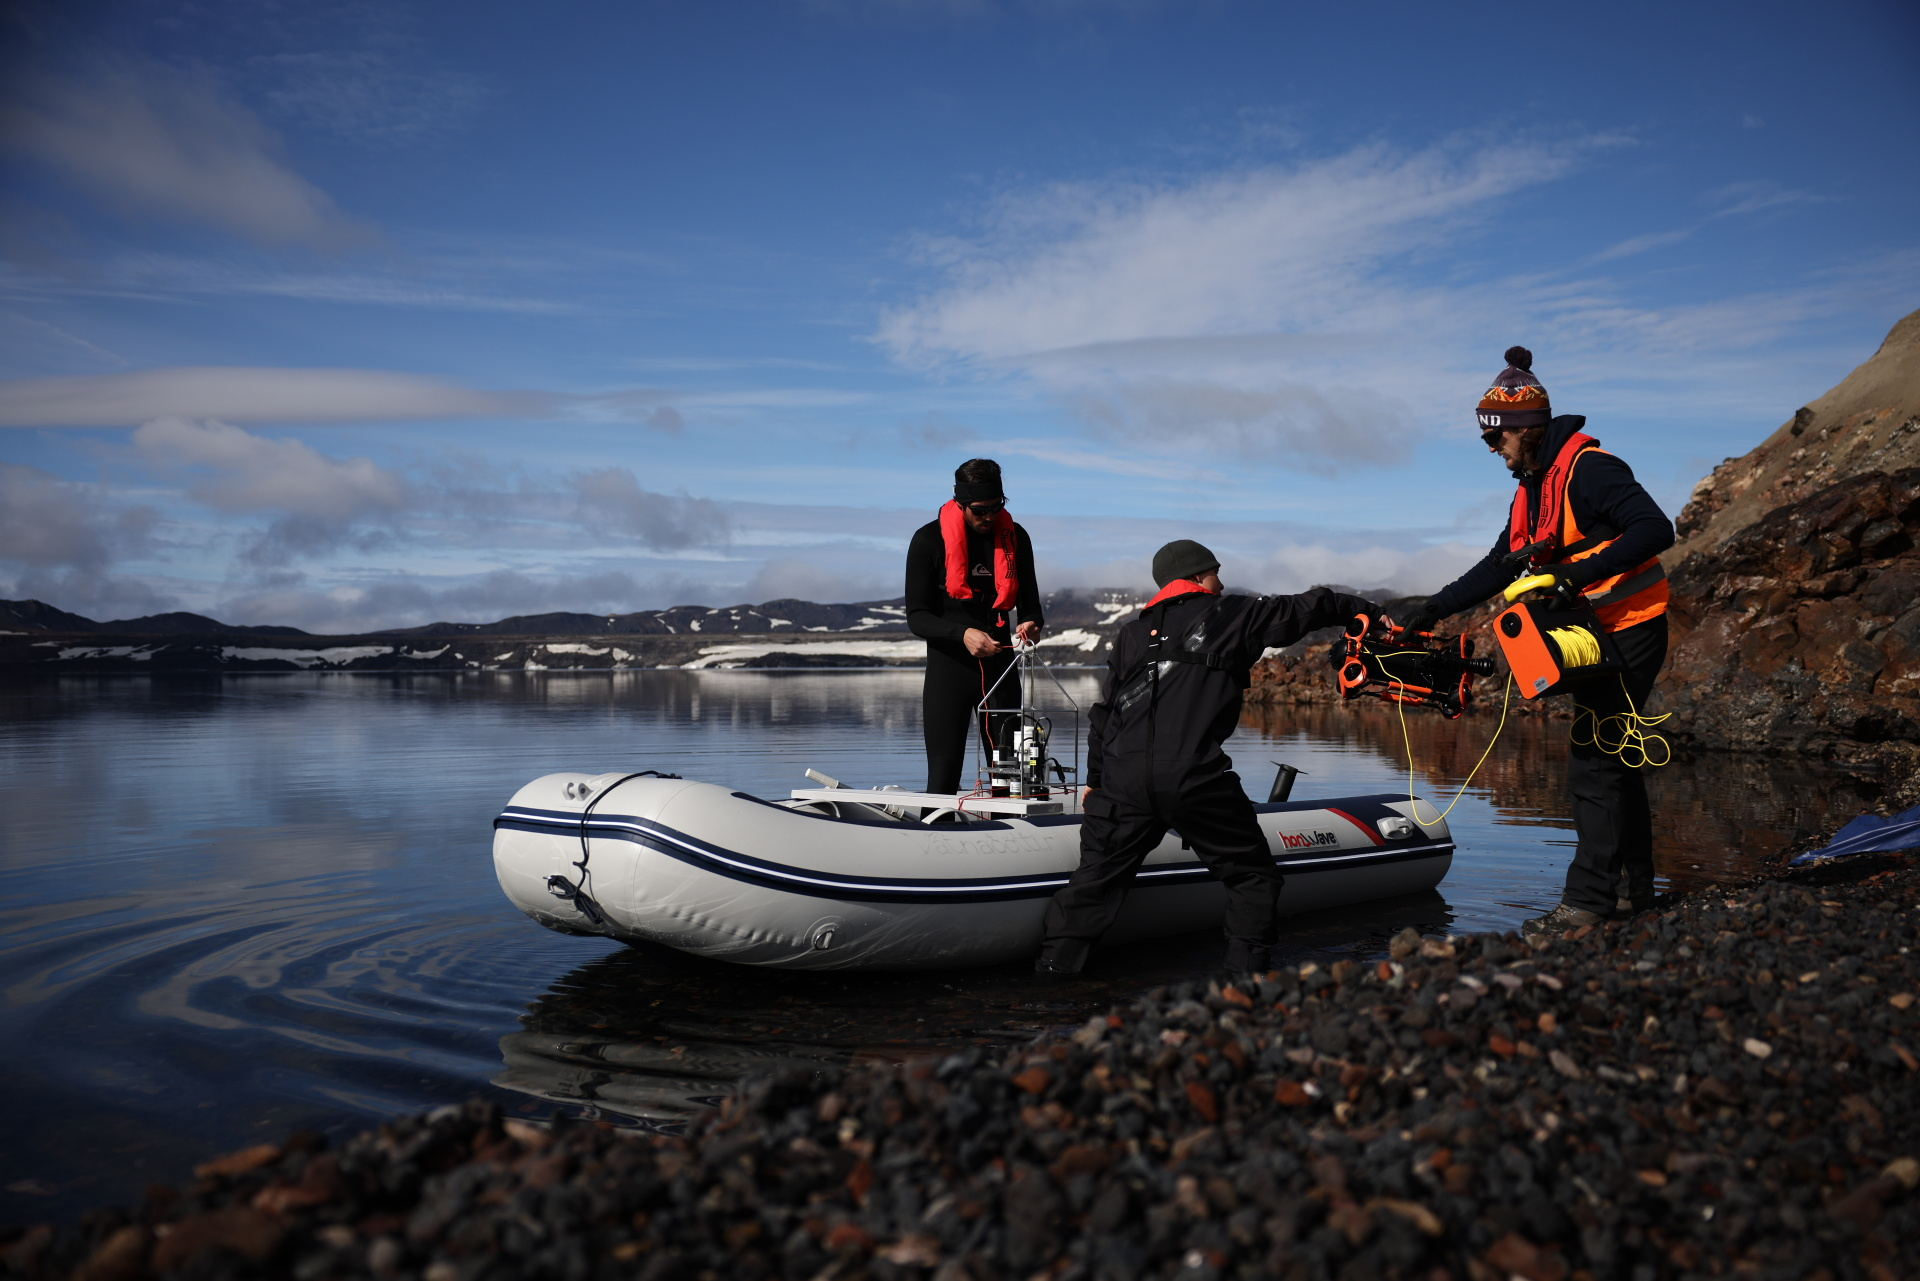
<point x="1270" y="250"/>
<point x="250" y="395"/>
<point x="1730" y="201"/>
<point x="154" y="142"/>
<point x="264" y="396"/>
<point x="367" y="94"/>
<point x="1238" y="312"/>
<point x="1642" y="244"/>
<point x="1067" y="455"/>
<point x="161" y="276"/>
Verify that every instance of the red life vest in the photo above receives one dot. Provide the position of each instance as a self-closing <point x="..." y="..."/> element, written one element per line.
<point x="953" y="534"/>
<point x="1621" y="600"/>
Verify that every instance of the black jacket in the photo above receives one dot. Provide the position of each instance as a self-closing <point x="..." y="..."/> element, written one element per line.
<point x="944" y="621"/>
<point x="1158" y="726"/>
<point x="1602" y="492"/>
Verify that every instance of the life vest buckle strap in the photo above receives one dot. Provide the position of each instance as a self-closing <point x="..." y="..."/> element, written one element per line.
<point x="1627" y="587"/>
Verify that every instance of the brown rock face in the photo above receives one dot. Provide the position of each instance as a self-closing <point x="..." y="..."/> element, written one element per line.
<point x="1801" y="632"/>
<point x="1796" y="583"/>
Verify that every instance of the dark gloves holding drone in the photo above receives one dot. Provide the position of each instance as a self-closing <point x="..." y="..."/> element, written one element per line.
<point x="1418" y="620"/>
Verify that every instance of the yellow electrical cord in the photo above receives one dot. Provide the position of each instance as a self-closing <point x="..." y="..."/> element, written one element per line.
<point x="1633" y="737"/>
<point x="1579" y="647"/>
<point x="1506" y="697"/>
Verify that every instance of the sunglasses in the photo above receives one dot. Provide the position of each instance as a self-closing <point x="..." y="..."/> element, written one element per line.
<point x="986" y="509"/>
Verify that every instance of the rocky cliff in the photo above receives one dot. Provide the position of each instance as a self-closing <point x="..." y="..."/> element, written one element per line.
<point x="1796" y="586"/>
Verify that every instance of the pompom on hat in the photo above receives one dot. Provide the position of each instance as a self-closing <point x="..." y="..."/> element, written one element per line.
<point x="1516" y="399"/>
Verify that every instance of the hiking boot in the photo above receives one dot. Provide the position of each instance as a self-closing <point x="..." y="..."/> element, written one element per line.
<point x="1559" y="921"/>
<point x="1625" y="907"/>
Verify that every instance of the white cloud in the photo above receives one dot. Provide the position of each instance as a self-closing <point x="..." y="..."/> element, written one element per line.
<point x="250" y="395"/>
<point x="316" y="503"/>
<point x="61" y="538"/>
<point x="611" y="502"/>
<point x="157" y="142"/>
<point x="1238" y="312"/>
<point x="1267" y="250"/>
<point x="288" y="396"/>
<point x="789" y="577"/>
<point x="239" y="472"/>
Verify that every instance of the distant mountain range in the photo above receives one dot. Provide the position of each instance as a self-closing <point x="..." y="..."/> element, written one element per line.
<point x="37" y="639"/>
<point x="1073" y="607"/>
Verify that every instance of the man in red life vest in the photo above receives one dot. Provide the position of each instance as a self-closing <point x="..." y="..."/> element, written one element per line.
<point x="1170" y="698"/>
<point x="968" y="571"/>
<point x="1598" y="533"/>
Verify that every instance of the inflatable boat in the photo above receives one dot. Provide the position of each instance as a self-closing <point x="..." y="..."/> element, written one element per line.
<point x="832" y="878"/>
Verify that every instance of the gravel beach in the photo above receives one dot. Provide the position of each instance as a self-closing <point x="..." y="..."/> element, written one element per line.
<point x="1724" y="1086"/>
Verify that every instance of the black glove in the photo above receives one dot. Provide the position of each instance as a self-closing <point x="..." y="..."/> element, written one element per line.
<point x="1567" y="583"/>
<point x="1418" y="619"/>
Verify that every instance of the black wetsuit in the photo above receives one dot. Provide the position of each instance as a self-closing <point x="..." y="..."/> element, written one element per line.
<point x="1155" y="762"/>
<point x="1612" y="821"/>
<point x="956" y="680"/>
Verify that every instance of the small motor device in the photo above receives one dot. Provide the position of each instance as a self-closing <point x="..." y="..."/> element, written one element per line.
<point x="1397" y="666"/>
<point x="1021" y="770"/>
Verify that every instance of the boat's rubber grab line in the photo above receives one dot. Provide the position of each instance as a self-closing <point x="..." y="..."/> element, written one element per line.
<point x="742" y="867"/>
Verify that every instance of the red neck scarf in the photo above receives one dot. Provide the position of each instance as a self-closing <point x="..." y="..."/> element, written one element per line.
<point x="953" y="533"/>
<point x="1178" y="587"/>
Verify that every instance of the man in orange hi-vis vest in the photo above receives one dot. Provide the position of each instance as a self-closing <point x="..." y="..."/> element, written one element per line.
<point x="1585" y="521"/>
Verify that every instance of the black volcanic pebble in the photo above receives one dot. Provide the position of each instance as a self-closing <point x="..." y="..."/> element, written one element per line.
<point x="1725" y="1087"/>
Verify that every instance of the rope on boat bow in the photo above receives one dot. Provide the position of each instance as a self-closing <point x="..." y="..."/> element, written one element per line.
<point x="575" y="892"/>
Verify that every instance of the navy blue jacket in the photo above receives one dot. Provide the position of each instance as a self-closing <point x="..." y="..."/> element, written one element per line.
<point x="1156" y="734"/>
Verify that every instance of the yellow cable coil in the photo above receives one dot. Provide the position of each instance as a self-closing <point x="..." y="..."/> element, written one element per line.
<point x="1628" y="740"/>
<point x="1578" y="646"/>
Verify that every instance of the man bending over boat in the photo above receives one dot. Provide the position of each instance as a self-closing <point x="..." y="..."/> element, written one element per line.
<point x="1170" y="697"/>
<point x="967" y="569"/>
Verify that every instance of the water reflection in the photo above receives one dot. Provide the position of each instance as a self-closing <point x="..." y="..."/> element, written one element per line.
<point x="233" y="906"/>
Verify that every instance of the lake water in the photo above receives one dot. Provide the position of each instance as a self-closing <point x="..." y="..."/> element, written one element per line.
<point x="237" y="906"/>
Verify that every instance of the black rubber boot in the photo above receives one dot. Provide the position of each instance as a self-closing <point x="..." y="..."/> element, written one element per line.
<point x="1244" y="957"/>
<point x="1061" y="958"/>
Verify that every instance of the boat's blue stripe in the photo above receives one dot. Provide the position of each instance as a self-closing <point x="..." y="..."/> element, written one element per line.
<point x="687" y="849"/>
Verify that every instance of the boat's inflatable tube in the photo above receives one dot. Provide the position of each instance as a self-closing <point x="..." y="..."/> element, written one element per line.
<point x="722" y="874"/>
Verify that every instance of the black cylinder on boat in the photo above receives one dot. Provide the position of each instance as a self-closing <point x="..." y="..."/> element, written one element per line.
<point x="1283" y="783"/>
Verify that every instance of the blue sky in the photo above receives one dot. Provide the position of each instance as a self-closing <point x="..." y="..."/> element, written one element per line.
<point x="362" y="315"/>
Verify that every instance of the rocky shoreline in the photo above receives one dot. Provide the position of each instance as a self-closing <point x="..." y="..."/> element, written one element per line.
<point x="1725" y="1085"/>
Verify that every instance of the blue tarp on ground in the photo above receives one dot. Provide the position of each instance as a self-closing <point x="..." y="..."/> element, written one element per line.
<point x="1869" y="834"/>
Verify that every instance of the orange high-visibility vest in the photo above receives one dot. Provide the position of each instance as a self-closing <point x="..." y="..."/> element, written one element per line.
<point x="1620" y="600"/>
